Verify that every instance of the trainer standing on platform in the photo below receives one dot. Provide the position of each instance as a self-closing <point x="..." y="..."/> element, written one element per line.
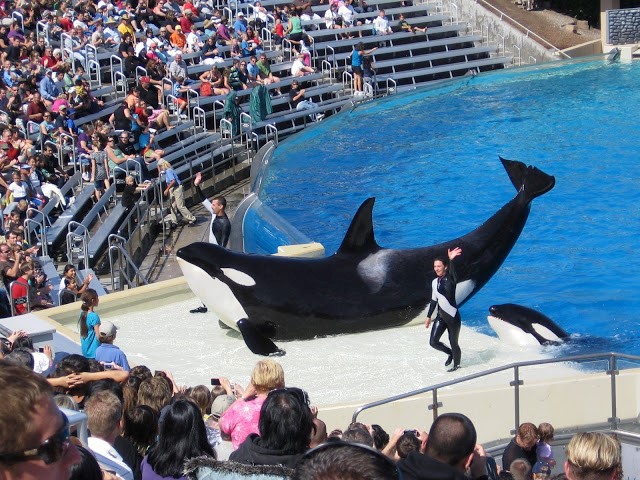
<point x="220" y="227"/>
<point x="448" y="319"/>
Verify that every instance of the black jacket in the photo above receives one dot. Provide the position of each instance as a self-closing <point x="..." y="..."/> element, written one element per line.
<point x="250" y="452"/>
<point x="421" y="467"/>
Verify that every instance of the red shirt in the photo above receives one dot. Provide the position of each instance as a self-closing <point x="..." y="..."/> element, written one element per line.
<point x="20" y="294"/>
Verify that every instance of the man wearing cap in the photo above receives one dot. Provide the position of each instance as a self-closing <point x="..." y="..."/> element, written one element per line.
<point x="240" y="25"/>
<point x="111" y="34"/>
<point x="48" y="88"/>
<point x="108" y="353"/>
<point x="178" y="39"/>
<point x="126" y="27"/>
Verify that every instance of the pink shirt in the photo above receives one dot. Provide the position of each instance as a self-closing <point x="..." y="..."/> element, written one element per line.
<point x="241" y="419"/>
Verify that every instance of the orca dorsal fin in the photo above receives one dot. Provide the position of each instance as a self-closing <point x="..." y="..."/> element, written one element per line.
<point x="360" y="237"/>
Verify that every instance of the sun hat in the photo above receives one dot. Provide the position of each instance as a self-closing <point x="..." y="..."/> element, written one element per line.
<point x="221" y="404"/>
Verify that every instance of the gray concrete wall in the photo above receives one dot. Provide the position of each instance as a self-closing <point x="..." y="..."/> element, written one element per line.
<point x="623" y="26"/>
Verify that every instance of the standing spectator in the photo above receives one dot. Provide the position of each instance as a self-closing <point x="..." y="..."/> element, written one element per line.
<point x="89" y="323"/>
<point x="104" y="419"/>
<point x="450" y="450"/>
<point x="37" y="446"/>
<point x="593" y="456"/>
<point x="181" y="436"/>
<point x="242" y="418"/>
<point x="285" y="428"/>
<point x="544" y="452"/>
<point x="356" y="66"/>
<point x="108" y="353"/>
<point x="175" y="192"/>
<point x="523" y="445"/>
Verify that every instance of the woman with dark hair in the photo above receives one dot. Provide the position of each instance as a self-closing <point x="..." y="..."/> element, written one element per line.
<point x="285" y="427"/>
<point x="89" y="324"/>
<point x="141" y="427"/>
<point x="181" y="436"/>
<point x="88" y="468"/>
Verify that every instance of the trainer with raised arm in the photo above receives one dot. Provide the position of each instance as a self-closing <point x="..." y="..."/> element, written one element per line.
<point x="443" y="295"/>
<point x="220" y="226"/>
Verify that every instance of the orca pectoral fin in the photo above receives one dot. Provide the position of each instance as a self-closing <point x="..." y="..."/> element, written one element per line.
<point x="257" y="342"/>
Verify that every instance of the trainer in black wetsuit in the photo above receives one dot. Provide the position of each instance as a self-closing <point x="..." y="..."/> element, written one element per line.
<point x="443" y="296"/>
<point x="220" y="227"/>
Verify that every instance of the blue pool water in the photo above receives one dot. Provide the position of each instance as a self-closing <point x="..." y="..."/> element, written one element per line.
<point x="431" y="159"/>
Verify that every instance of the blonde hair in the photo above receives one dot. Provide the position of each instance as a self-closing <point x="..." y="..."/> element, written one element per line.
<point x="594" y="456"/>
<point x="104" y="412"/>
<point x="267" y="375"/>
<point x="164" y="165"/>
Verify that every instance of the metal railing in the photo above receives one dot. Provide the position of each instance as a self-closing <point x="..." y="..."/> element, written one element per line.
<point x="121" y="262"/>
<point x="612" y="371"/>
<point x="528" y="33"/>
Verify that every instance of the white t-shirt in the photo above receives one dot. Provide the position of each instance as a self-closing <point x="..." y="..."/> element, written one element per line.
<point x="19" y="191"/>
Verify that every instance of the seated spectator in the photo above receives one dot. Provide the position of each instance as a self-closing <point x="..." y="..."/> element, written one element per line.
<point x="593" y="456"/>
<point x="451" y="449"/>
<point x="131" y="162"/>
<point x="285" y="429"/>
<point x="25" y="297"/>
<point x="403" y="25"/>
<point x="107" y="353"/>
<point x="217" y="80"/>
<point x="181" y="436"/>
<point x="35" y="421"/>
<point x="337" y="459"/>
<point x="298" y="101"/>
<point x="299" y="69"/>
<point x="264" y="71"/>
<point x="178" y="39"/>
<point x="381" y="24"/>
<point x="177" y="68"/>
<point x="523" y="445"/>
<point x="242" y="418"/>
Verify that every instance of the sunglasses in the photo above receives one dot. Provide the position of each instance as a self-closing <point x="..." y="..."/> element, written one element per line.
<point x="300" y="394"/>
<point x="50" y="451"/>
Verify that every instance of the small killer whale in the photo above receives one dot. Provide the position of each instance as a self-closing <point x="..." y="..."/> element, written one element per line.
<point x="518" y="325"/>
<point x="361" y="287"/>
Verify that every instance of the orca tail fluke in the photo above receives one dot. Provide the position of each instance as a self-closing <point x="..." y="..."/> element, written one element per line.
<point x="533" y="181"/>
<point x="257" y="342"/>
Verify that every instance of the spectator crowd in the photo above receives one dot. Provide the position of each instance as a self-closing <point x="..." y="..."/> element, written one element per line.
<point x="142" y="425"/>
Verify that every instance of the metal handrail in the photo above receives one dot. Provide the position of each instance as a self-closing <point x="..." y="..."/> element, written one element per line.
<point x="116" y="244"/>
<point x="527" y="32"/>
<point x="612" y="371"/>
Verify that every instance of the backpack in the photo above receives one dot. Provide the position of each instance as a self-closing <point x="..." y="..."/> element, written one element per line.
<point x="206" y="90"/>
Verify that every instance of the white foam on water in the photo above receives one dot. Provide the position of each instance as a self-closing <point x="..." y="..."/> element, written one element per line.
<point x="356" y="368"/>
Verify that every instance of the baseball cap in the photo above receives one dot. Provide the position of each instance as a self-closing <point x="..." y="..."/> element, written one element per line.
<point x="241" y="14"/>
<point x="107" y="329"/>
<point x="145" y="79"/>
<point x="541" y="467"/>
<point x="62" y="107"/>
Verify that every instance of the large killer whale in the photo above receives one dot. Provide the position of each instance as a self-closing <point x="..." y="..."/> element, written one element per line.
<point x="361" y="287"/>
<point x="519" y="325"/>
